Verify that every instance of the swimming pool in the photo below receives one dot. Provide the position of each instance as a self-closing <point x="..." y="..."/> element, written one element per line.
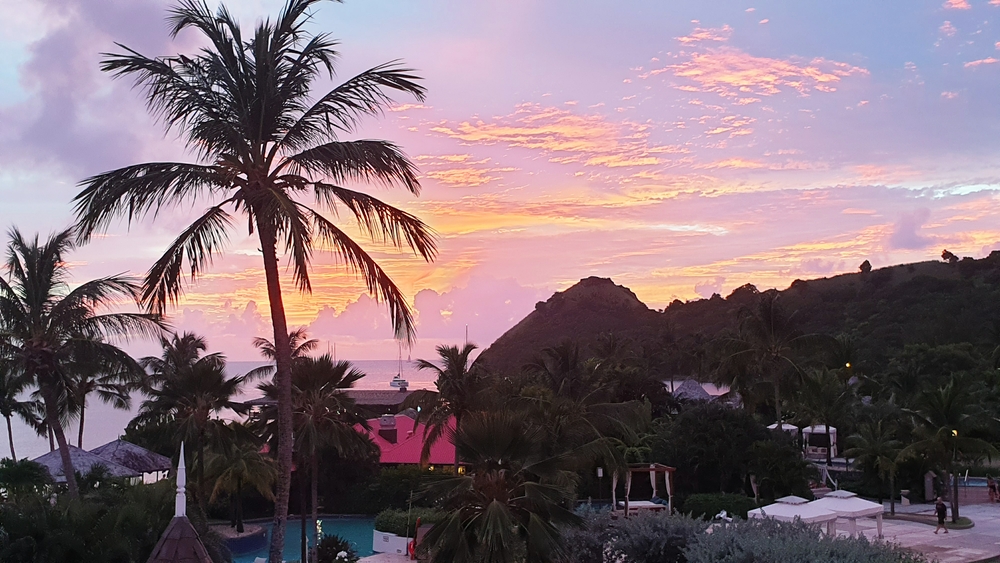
<point x="358" y="531"/>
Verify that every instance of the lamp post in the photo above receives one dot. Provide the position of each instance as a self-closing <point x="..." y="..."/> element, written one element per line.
<point x="600" y="481"/>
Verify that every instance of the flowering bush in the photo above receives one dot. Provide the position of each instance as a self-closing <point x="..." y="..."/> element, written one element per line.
<point x="335" y="549"/>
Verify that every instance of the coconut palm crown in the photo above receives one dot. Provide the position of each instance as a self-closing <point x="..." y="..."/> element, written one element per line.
<point x="46" y="326"/>
<point x="266" y="146"/>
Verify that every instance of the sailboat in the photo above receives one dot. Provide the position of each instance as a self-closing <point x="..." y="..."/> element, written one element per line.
<point x="397" y="381"/>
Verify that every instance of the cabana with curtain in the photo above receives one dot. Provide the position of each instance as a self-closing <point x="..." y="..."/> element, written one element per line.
<point x="790" y="508"/>
<point x="847" y="505"/>
<point x="653" y="469"/>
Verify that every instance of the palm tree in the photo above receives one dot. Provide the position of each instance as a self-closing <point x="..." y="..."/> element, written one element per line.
<point x="824" y="399"/>
<point x="459" y="389"/>
<point x="112" y="386"/>
<point x="11" y="387"/>
<point x="875" y="446"/>
<point x="764" y="346"/>
<point x="242" y="466"/>
<point x="511" y="501"/>
<point x="44" y="325"/>
<point x="193" y="390"/>
<point x="945" y="417"/>
<point x="265" y="143"/>
<point x="323" y="416"/>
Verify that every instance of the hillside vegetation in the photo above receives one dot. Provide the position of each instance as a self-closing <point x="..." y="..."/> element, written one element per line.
<point x="883" y="310"/>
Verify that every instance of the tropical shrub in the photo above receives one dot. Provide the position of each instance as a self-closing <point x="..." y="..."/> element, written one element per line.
<point x="335" y="549"/>
<point x="707" y="505"/>
<point x="651" y="537"/>
<point x="403" y="522"/>
<point x="769" y="541"/>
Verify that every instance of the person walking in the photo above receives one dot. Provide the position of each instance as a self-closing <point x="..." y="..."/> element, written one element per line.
<point x="942" y="512"/>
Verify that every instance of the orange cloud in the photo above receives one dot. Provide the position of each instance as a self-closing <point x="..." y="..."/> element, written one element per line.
<point x="733" y="73"/>
<point x="460" y="170"/>
<point x="706" y="34"/>
<point x="589" y="139"/>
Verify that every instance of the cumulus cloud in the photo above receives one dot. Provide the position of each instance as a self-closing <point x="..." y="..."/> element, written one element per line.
<point x="75" y="116"/>
<point x="906" y="233"/>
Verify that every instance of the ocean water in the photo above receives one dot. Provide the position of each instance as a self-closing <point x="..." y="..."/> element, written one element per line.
<point x="104" y="424"/>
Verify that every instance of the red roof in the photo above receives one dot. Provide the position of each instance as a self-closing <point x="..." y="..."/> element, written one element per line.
<point x="409" y="442"/>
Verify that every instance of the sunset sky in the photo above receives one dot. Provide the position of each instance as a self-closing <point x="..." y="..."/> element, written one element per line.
<point x="679" y="148"/>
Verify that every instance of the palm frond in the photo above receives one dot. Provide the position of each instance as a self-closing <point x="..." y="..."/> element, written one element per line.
<point x="379" y="220"/>
<point x="378" y="282"/>
<point x="375" y="161"/>
<point x="343" y="107"/>
<point x="133" y="191"/>
<point x="198" y="244"/>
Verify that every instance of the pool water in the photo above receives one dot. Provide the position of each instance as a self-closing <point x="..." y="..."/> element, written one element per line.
<point x="358" y="531"/>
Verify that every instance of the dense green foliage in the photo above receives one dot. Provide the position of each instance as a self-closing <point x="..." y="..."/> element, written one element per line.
<point x="769" y="541"/>
<point x="403" y="522"/>
<point x="661" y="538"/>
<point x="112" y="522"/>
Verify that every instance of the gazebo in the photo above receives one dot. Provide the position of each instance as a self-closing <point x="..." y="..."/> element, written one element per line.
<point x="790" y="508"/>
<point x="785" y="427"/>
<point x="816" y="444"/>
<point x="136" y="458"/>
<point x="83" y="461"/>
<point x="847" y="505"/>
<point x="653" y="469"/>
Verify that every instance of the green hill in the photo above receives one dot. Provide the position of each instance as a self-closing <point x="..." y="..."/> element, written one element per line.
<point x="883" y="310"/>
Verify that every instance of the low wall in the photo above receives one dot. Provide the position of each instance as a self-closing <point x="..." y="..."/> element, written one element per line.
<point x="384" y="542"/>
<point x="248" y="543"/>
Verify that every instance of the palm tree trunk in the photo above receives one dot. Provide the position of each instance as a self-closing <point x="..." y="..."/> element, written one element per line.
<point x="52" y="440"/>
<point x="954" y="496"/>
<point x="777" y="401"/>
<point x="283" y="383"/>
<point x="829" y="446"/>
<point x="303" y="506"/>
<point x="314" y="492"/>
<point x="52" y="419"/>
<point x="892" y="494"/>
<point x="10" y="438"/>
<point x="83" y="410"/>
<point x="239" y="506"/>
<point x="457" y="418"/>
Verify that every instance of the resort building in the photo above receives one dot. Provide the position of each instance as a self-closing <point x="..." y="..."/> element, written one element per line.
<point x="120" y="458"/>
<point x="401" y="440"/>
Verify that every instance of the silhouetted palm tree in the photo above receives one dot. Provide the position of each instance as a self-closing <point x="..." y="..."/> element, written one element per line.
<point x="111" y="385"/>
<point x="875" y="446"/>
<point x="459" y="389"/>
<point x="824" y="399"/>
<point x="946" y="421"/>
<point x="192" y="390"/>
<point x="11" y="387"/>
<point x="44" y="325"/>
<point x="242" y="466"/>
<point x="763" y="348"/>
<point x="511" y="501"/>
<point x="265" y="143"/>
<point x="323" y="415"/>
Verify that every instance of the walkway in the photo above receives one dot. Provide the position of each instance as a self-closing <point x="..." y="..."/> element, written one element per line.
<point x="958" y="546"/>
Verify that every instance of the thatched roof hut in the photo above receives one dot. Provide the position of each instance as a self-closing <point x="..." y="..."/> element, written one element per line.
<point x="132" y="456"/>
<point x="83" y="462"/>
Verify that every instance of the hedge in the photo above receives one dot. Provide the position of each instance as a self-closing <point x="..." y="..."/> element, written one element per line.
<point x="403" y="523"/>
<point x="706" y="506"/>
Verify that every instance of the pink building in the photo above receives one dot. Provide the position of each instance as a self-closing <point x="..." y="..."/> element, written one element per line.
<point x="401" y="441"/>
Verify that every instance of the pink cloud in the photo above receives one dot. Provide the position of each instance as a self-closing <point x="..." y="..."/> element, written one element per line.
<point x="706" y="34"/>
<point x="979" y="62"/>
<point x="947" y="29"/>
<point x="956" y="5"/>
